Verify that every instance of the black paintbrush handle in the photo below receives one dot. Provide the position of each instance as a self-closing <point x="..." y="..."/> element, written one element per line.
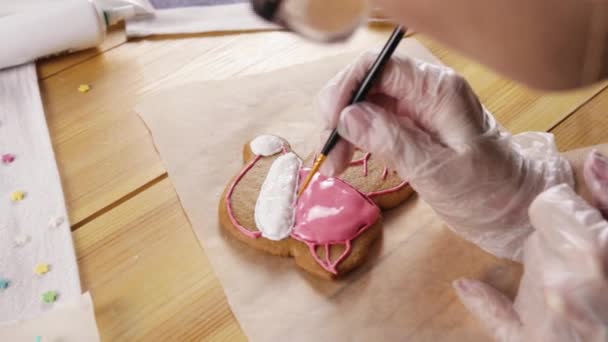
<point x="368" y="81"/>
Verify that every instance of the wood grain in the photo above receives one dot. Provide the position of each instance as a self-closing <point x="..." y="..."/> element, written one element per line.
<point x="48" y="68"/>
<point x="587" y="127"/>
<point x="137" y="254"/>
<point x="149" y="278"/>
<point x="103" y="149"/>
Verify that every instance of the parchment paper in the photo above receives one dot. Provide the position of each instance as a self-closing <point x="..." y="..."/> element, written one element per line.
<point x="402" y="293"/>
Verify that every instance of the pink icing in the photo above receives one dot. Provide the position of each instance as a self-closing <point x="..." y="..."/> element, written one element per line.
<point x="364" y="161"/>
<point x="331" y="212"/>
<point x="389" y="190"/>
<point x="235" y="223"/>
<point x="8" y="158"/>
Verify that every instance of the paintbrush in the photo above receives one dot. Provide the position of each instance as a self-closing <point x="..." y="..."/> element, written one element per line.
<point x="366" y="85"/>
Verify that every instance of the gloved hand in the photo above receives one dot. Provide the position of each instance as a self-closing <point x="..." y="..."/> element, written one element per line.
<point x="563" y="295"/>
<point x="428" y="125"/>
<point x="595" y="173"/>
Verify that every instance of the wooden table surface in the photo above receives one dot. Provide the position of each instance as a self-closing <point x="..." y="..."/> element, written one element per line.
<point x="149" y="277"/>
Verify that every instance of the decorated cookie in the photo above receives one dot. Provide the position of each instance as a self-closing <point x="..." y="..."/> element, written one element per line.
<point x="329" y="228"/>
<point x="371" y="177"/>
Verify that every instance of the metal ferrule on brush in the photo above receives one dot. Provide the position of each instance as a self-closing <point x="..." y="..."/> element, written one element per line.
<point x="315" y="168"/>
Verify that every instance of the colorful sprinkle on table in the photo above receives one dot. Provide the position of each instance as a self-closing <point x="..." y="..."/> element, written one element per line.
<point x="21" y="240"/>
<point x="49" y="296"/>
<point x="38" y="339"/>
<point x="56" y="222"/>
<point x="8" y="158"/>
<point x="4" y="284"/>
<point x="41" y="269"/>
<point x="83" y="88"/>
<point x="17" y="196"/>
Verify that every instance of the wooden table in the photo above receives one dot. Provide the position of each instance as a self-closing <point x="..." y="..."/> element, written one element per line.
<point x="137" y="253"/>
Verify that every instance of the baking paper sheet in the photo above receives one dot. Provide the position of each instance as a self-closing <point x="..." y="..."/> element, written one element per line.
<point x="402" y="293"/>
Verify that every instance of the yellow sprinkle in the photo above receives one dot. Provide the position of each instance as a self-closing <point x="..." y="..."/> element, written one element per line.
<point x="83" y="88"/>
<point x="41" y="269"/>
<point x="17" y="196"/>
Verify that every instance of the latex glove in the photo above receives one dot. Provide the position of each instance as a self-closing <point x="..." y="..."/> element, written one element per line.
<point x="595" y="173"/>
<point x="563" y="295"/>
<point x="428" y="125"/>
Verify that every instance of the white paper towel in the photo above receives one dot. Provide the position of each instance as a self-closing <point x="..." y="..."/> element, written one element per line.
<point x="70" y="321"/>
<point x="23" y="132"/>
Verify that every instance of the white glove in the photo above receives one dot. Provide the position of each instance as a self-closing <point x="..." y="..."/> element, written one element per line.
<point x="427" y="124"/>
<point x="563" y="295"/>
<point x="595" y="172"/>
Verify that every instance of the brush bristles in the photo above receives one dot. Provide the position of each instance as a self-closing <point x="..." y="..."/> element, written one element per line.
<point x="315" y="168"/>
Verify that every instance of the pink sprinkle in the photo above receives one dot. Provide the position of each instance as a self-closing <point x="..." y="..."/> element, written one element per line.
<point x="8" y="158"/>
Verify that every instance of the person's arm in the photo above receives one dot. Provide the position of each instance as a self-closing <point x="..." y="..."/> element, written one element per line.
<point x="563" y="294"/>
<point x="543" y="43"/>
<point x="426" y="123"/>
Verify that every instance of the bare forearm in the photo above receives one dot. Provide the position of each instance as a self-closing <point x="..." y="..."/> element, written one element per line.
<point x="543" y="43"/>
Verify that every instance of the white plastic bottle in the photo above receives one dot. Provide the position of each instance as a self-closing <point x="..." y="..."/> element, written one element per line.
<point x="53" y="27"/>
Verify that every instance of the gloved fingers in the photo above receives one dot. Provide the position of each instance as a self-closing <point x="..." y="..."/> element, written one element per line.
<point x="436" y="98"/>
<point x="491" y="308"/>
<point x="440" y="101"/>
<point x="338" y="92"/>
<point x="455" y="113"/>
<point x="396" y="140"/>
<point x="595" y="172"/>
<point x="584" y="306"/>
<point x="572" y="232"/>
<point x="564" y="307"/>
<point x="339" y="158"/>
<point x="402" y="78"/>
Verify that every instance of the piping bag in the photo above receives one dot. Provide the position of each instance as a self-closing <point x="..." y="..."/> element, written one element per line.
<point x="33" y="29"/>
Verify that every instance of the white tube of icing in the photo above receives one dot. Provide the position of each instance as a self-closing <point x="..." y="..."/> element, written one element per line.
<point x="52" y="28"/>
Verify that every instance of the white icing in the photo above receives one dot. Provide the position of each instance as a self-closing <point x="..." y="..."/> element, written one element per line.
<point x="275" y="207"/>
<point x="267" y="145"/>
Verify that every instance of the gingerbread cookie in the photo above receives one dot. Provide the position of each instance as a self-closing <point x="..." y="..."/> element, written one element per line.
<point x="329" y="229"/>
<point x="371" y="177"/>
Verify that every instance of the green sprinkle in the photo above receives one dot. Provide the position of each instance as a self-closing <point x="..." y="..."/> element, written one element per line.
<point x="49" y="297"/>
